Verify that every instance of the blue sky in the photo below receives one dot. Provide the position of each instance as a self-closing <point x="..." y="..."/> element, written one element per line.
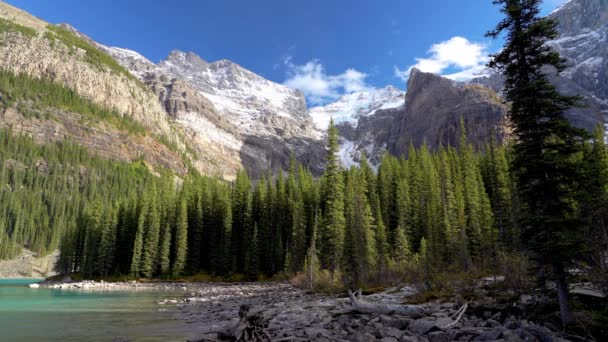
<point x="325" y="48"/>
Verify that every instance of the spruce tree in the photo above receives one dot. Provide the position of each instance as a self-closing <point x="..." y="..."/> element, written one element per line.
<point x="151" y="238"/>
<point x="138" y="243"/>
<point x="107" y="245"/>
<point x="595" y="200"/>
<point x="331" y="234"/>
<point x="181" y="239"/>
<point x="165" y="251"/>
<point x="548" y="149"/>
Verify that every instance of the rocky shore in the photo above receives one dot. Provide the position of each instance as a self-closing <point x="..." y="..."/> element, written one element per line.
<point x="281" y="312"/>
<point x="106" y="285"/>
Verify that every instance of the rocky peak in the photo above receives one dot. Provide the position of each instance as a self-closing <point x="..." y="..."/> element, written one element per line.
<point x="188" y="61"/>
<point x="350" y="108"/>
<point x="360" y="124"/>
<point x="434" y="107"/>
<point x="576" y="16"/>
<point x="583" y="41"/>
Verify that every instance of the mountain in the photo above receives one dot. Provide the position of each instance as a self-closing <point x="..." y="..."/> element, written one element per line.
<point x="583" y="42"/>
<point x="433" y="110"/>
<point x="107" y="110"/>
<point x="234" y="117"/>
<point x="360" y="127"/>
<point x="350" y="107"/>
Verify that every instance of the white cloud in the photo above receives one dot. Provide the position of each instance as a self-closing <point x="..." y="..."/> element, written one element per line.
<point x="468" y="58"/>
<point x="319" y="87"/>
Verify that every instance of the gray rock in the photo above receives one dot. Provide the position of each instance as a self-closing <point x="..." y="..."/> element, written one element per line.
<point x="443" y="321"/>
<point x="392" y="332"/>
<point x="389" y="339"/>
<point x="438" y="336"/>
<point x="493" y="334"/>
<point x="421" y="326"/>
<point x="511" y="336"/>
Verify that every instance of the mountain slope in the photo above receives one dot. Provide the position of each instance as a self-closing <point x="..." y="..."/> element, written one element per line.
<point x="434" y="107"/>
<point x="53" y="57"/>
<point x="246" y="120"/>
<point x="360" y="127"/>
<point x="350" y="107"/>
<point x="583" y="41"/>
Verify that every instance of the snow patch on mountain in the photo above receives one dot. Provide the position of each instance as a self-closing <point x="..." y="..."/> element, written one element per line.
<point x="347" y="153"/>
<point x="349" y="108"/>
<point x="207" y="130"/>
<point x="256" y="105"/>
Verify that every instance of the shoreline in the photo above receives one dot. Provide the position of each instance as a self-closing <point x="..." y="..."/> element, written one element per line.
<point x="279" y="310"/>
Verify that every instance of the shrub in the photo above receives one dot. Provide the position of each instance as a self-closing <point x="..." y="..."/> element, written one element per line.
<point x="10" y="26"/>
<point x="514" y="266"/>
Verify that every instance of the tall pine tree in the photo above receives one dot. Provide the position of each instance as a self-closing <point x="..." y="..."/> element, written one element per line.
<point x="548" y="150"/>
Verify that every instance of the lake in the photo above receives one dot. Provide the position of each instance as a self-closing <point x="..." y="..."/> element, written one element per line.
<point x="85" y="315"/>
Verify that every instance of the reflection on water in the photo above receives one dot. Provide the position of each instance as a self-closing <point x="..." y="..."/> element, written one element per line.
<point x="84" y="315"/>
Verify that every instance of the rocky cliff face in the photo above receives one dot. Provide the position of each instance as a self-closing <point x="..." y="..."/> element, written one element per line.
<point x="433" y="108"/>
<point x="44" y="55"/>
<point x="583" y="42"/>
<point x="233" y="117"/>
<point x="363" y="121"/>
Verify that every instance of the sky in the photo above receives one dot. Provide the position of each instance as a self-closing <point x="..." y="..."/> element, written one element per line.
<point x="325" y="48"/>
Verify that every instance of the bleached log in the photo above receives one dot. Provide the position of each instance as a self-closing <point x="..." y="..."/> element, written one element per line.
<point x="460" y="313"/>
<point x="359" y="305"/>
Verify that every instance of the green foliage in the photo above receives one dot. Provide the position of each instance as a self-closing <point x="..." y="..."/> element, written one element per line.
<point x="93" y="55"/>
<point x="330" y="231"/>
<point x="40" y="94"/>
<point x="44" y="187"/>
<point x="331" y="234"/>
<point x="10" y="26"/>
<point x="548" y="150"/>
<point x="181" y="239"/>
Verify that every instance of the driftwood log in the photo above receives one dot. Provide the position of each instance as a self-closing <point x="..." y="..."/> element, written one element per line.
<point x="359" y="305"/>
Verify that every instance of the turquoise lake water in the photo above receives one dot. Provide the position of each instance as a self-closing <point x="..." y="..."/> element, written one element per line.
<point x="85" y="315"/>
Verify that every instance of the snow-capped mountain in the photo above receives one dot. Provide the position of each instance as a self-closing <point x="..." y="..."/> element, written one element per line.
<point x="230" y="113"/>
<point x="583" y="41"/>
<point x="358" y="125"/>
<point x="582" y="26"/>
<point x="256" y="111"/>
<point x="349" y="108"/>
<point x="255" y="104"/>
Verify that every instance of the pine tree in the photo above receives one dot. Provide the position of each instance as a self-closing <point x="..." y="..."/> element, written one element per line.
<point x="107" y="245"/>
<point x="547" y="151"/>
<point x="253" y="256"/>
<point x="151" y="238"/>
<point x="165" y="251"/>
<point x="331" y="234"/>
<point x="241" y="214"/>
<point x="181" y="239"/>
<point x="382" y="248"/>
<point x="595" y="200"/>
<point x="195" y="233"/>
<point x="138" y="243"/>
<point x="311" y="261"/>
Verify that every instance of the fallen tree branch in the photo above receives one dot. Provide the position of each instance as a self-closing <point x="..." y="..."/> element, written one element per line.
<point x="361" y="306"/>
<point x="460" y="313"/>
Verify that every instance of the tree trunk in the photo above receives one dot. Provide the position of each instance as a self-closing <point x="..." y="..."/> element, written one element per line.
<point x="415" y="311"/>
<point x="562" y="294"/>
<point x="541" y="278"/>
